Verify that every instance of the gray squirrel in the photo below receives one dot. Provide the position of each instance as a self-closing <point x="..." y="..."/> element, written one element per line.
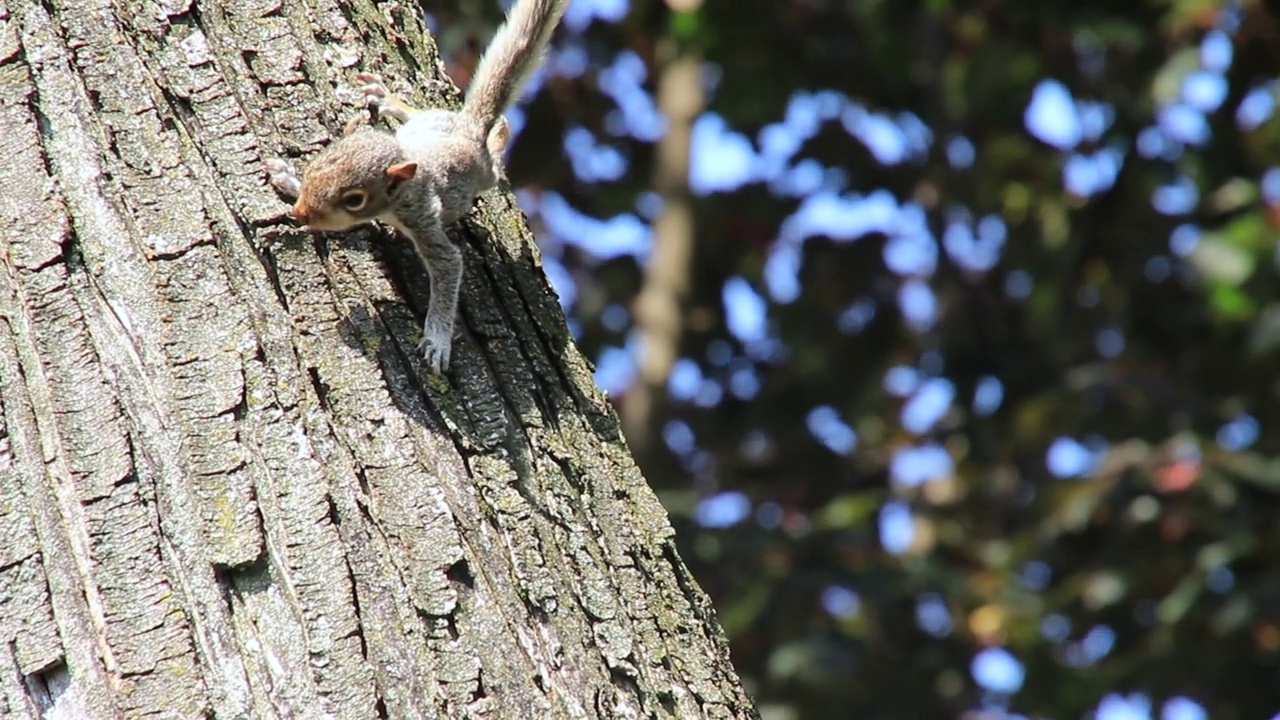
<point x="426" y="176"/>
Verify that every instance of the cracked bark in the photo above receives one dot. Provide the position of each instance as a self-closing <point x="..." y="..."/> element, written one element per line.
<point x="227" y="486"/>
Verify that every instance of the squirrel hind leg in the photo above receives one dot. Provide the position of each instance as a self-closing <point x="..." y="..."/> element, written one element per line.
<point x="497" y="142"/>
<point x="386" y="103"/>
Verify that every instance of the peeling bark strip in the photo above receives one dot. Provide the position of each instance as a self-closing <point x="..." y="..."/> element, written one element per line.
<point x="227" y="487"/>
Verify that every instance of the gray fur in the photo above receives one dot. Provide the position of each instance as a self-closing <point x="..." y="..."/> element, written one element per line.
<point x="426" y="176"/>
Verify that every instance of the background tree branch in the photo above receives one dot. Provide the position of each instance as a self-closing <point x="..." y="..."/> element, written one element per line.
<point x="227" y="484"/>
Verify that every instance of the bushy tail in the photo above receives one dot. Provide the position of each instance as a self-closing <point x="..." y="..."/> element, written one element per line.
<point x="515" y="52"/>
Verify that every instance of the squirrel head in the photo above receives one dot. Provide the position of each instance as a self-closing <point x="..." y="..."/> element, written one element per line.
<point x="353" y="181"/>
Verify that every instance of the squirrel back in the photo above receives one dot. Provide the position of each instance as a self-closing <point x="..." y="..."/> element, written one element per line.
<point x="515" y="51"/>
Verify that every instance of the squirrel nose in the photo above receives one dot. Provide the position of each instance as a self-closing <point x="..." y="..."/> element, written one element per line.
<point x="300" y="213"/>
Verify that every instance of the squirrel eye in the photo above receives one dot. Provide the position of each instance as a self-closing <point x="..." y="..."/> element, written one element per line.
<point x="354" y="199"/>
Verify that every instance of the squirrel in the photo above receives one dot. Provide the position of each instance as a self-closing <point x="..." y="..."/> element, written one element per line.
<point x="426" y="176"/>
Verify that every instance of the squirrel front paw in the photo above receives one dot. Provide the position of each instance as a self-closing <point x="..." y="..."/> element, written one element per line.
<point x="435" y="348"/>
<point x="283" y="177"/>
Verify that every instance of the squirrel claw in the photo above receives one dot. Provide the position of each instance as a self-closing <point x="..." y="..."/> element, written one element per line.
<point x="435" y="353"/>
<point x="374" y="92"/>
<point x="377" y="96"/>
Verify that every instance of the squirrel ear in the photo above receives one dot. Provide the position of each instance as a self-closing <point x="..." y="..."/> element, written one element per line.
<point x="402" y="171"/>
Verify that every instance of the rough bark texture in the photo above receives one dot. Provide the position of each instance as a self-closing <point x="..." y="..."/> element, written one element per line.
<point x="227" y="486"/>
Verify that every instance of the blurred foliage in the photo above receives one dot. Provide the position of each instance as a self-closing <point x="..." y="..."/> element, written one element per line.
<point x="1039" y="480"/>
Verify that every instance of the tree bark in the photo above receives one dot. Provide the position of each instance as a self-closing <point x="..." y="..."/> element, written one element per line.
<point x="228" y="488"/>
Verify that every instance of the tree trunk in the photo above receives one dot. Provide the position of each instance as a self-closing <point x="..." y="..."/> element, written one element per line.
<point x="228" y="488"/>
<point x="662" y="304"/>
